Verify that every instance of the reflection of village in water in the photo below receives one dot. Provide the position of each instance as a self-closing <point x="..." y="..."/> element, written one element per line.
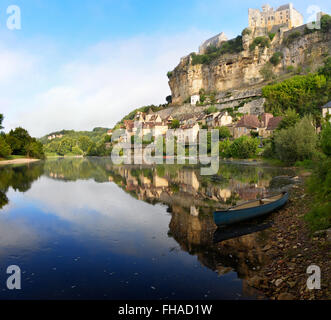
<point x="191" y="200"/>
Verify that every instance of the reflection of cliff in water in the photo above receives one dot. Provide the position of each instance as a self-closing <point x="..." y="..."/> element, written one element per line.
<point x="20" y="178"/>
<point x="244" y="254"/>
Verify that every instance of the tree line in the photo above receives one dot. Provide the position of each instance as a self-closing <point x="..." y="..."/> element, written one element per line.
<point x="18" y="142"/>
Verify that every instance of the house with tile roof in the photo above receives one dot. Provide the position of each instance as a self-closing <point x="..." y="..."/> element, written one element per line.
<point x="247" y="124"/>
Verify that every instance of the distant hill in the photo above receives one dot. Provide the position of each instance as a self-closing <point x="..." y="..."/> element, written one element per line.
<point x="95" y="135"/>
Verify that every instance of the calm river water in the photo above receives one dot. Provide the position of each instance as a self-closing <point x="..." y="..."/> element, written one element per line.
<point x="87" y="229"/>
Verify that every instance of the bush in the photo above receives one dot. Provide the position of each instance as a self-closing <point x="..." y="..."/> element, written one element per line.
<point x="276" y="58"/>
<point x="290" y="69"/>
<point x="271" y="36"/>
<point x="244" y="147"/>
<point x="77" y="151"/>
<point x="5" y="150"/>
<point x="319" y="185"/>
<point x="290" y="119"/>
<point x="246" y="31"/>
<point x="296" y="143"/>
<point x="169" y="74"/>
<point x="262" y="42"/>
<point x="175" y="124"/>
<point x="212" y="52"/>
<point x="224" y="132"/>
<point x="326" y="23"/>
<point x="211" y="109"/>
<point x="325" y="139"/>
<point x="267" y="72"/>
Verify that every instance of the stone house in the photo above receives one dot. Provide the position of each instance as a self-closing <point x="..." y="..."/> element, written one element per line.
<point x="210" y="119"/>
<point x="246" y="125"/>
<point x="222" y="120"/>
<point x="201" y="118"/>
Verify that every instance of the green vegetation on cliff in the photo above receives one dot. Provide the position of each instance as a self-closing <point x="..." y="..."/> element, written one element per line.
<point x="212" y="53"/>
<point x="305" y="94"/>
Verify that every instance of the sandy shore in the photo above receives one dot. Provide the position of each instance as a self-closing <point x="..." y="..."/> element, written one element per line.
<point x="18" y="161"/>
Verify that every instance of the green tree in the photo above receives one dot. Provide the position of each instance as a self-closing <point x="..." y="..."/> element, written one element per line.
<point x="290" y="119"/>
<point x="1" y="120"/>
<point x="296" y="143"/>
<point x="175" y="124"/>
<point x="18" y="140"/>
<point x="34" y="149"/>
<point x="5" y="150"/>
<point x="224" y="132"/>
<point x="77" y="151"/>
<point x="244" y="147"/>
<point x="325" y="139"/>
<point x="65" y="146"/>
<point x="84" y="143"/>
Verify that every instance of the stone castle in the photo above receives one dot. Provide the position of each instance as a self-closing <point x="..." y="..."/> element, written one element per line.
<point x="262" y="22"/>
<point x="285" y="15"/>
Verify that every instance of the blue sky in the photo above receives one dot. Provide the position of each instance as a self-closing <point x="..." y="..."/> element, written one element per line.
<point x="77" y="64"/>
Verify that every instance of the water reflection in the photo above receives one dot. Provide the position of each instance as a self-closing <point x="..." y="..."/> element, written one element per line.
<point x="124" y="229"/>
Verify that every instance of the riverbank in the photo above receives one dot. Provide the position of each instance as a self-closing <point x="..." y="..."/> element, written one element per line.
<point x="291" y="249"/>
<point x="17" y="161"/>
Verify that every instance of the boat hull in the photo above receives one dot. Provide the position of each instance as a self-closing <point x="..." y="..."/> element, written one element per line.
<point x="222" y="218"/>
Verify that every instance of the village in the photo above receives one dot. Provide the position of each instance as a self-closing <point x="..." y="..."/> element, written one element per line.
<point x="188" y="126"/>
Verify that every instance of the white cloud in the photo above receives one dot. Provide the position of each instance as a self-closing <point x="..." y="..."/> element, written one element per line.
<point x="101" y="85"/>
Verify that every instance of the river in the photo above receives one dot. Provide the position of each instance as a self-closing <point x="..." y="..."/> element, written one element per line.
<point x="88" y="229"/>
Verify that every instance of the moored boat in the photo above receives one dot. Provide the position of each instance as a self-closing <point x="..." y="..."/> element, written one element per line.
<point x="250" y="210"/>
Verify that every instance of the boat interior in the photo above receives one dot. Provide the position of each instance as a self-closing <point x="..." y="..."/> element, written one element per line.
<point x="257" y="203"/>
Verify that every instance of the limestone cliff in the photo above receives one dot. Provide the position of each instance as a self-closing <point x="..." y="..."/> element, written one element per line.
<point x="241" y="71"/>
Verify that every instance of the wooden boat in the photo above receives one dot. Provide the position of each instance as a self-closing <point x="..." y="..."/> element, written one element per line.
<point x="250" y="210"/>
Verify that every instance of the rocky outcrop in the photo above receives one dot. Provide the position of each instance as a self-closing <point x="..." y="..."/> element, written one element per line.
<point x="241" y="71"/>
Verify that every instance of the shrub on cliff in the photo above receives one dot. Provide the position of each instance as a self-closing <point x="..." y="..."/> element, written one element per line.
<point x="326" y="23"/>
<point x="262" y="42"/>
<point x="212" y="52"/>
<point x="277" y="58"/>
<point x="246" y="31"/>
<point x="292" y="37"/>
<point x="267" y="72"/>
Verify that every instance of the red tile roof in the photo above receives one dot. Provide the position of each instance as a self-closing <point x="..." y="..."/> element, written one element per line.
<point x="274" y="123"/>
<point x="249" y="121"/>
